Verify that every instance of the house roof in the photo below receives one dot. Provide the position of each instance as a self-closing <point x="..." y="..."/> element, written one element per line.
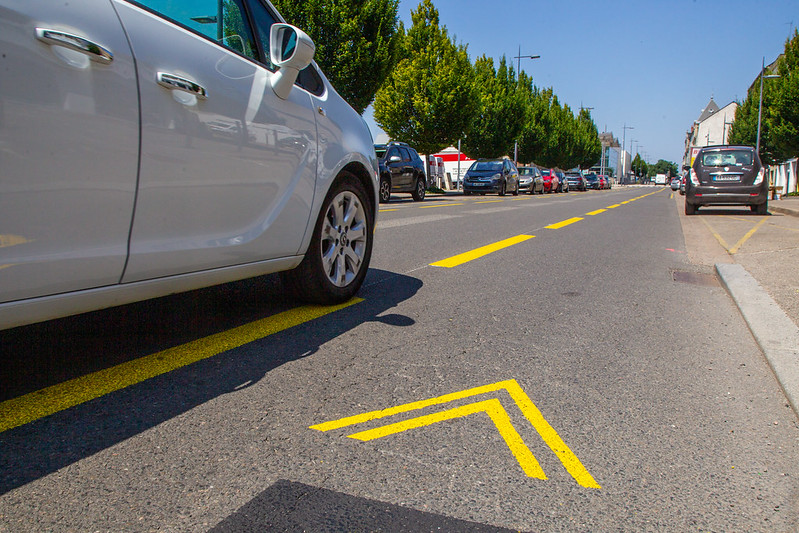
<point x="710" y="109"/>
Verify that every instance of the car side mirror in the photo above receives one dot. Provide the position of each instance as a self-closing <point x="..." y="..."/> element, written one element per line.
<point x="394" y="159"/>
<point x="290" y="50"/>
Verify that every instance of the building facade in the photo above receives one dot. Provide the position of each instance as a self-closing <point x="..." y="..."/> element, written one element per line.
<point x="711" y="128"/>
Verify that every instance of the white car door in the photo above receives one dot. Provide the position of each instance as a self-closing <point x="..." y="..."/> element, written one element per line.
<point x="228" y="169"/>
<point x="69" y="140"/>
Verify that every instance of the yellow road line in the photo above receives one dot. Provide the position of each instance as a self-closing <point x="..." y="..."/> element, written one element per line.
<point x="751" y="232"/>
<point x="533" y="415"/>
<point x="718" y="237"/>
<point x="437" y="205"/>
<point x="493" y="408"/>
<point x="489" y="201"/>
<point x="614" y="206"/>
<point x="559" y="225"/>
<point x="7" y="240"/>
<point x="480" y="252"/>
<point x="386" y="210"/>
<point x="51" y="400"/>
<point x="592" y="213"/>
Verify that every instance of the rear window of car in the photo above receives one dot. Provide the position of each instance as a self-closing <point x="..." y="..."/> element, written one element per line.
<point x="487" y="165"/>
<point x="726" y="158"/>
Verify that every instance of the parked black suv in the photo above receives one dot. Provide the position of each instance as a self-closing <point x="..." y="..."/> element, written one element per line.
<point x="727" y="175"/>
<point x="401" y="170"/>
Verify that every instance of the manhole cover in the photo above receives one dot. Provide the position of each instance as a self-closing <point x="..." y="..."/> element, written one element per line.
<point x="694" y="278"/>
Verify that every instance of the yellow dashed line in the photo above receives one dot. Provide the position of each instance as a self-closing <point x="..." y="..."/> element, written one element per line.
<point x="480" y="252"/>
<point x="559" y="225"/>
<point x="437" y="205"/>
<point x="596" y="212"/>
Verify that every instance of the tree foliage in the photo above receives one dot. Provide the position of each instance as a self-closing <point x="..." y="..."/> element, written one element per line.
<point x="552" y="136"/>
<point x="500" y="114"/>
<point x="639" y="167"/>
<point x="356" y="42"/>
<point x="663" y="167"/>
<point x="429" y="99"/>
<point x="779" y="131"/>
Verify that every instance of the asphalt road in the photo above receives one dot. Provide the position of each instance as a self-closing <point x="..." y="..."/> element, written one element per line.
<point x="576" y="375"/>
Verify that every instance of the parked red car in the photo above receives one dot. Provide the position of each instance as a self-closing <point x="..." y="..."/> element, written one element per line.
<point x="551" y="181"/>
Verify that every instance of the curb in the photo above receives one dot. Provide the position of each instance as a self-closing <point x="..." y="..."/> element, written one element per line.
<point x="774" y="332"/>
<point x="784" y="210"/>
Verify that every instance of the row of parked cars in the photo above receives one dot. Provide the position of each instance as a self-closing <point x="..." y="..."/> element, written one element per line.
<point x="403" y="171"/>
<point x="502" y="176"/>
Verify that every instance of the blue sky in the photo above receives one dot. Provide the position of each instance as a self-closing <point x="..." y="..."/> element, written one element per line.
<point x="652" y="64"/>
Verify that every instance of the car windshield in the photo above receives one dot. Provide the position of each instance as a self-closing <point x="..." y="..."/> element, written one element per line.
<point x="727" y="158"/>
<point x="486" y="166"/>
<point x="545" y="172"/>
<point x="526" y="171"/>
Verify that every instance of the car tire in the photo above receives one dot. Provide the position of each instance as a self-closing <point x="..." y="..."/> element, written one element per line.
<point x="761" y="209"/>
<point x="419" y="192"/>
<point x="338" y="256"/>
<point x="516" y="192"/>
<point x="385" y="189"/>
<point x="690" y="209"/>
<point x="502" y="189"/>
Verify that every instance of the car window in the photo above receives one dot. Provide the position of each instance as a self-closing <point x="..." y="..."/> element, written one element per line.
<point x="487" y="165"/>
<point x="222" y="21"/>
<point x="393" y="152"/>
<point x="406" y="156"/>
<point x="727" y="158"/>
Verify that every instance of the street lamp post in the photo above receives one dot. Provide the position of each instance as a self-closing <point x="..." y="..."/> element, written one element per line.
<point x="760" y="103"/>
<point x="518" y="59"/>
<point x="623" y="143"/>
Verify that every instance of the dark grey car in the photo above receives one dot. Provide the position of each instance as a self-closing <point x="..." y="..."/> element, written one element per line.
<point x="727" y="175"/>
<point x="491" y="175"/>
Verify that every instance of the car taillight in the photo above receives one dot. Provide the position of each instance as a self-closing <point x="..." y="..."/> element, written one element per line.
<point x="761" y="174"/>
<point x="694" y="177"/>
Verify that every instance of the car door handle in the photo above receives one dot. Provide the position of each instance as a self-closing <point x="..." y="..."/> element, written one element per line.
<point x="97" y="53"/>
<point x="171" y="81"/>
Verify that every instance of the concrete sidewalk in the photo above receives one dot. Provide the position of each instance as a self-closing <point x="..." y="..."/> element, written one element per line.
<point x="753" y="279"/>
<point x="787" y="205"/>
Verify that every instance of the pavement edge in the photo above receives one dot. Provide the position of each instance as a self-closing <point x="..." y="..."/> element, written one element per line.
<point x="774" y="331"/>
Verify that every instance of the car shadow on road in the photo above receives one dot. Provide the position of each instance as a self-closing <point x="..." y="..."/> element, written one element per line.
<point x="718" y="211"/>
<point x="40" y="355"/>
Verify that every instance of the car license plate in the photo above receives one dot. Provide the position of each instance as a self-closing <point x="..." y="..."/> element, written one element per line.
<point x="727" y="177"/>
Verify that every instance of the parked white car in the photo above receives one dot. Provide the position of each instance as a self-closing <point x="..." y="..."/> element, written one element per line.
<point x="155" y="147"/>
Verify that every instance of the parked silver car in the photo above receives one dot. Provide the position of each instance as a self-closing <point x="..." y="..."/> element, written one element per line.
<point x="156" y="147"/>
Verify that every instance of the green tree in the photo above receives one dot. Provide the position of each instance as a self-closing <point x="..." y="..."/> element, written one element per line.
<point x="356" y="42"/>
<point x="589" y="148"/>
<point x="784" y="115"/>
<point x="779" y="131"/>
<point x="501" y="111"/>
<point x="429" y="99"/>
<point x="664" y="167"/>
<point x="533" y="137"/>
<point x="640" y="168"/>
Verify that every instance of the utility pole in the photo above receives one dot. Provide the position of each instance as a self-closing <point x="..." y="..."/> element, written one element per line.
<point x="623" y="142"/>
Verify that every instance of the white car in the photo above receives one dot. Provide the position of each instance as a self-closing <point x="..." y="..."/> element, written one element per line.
<point x="155" y="147"/>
